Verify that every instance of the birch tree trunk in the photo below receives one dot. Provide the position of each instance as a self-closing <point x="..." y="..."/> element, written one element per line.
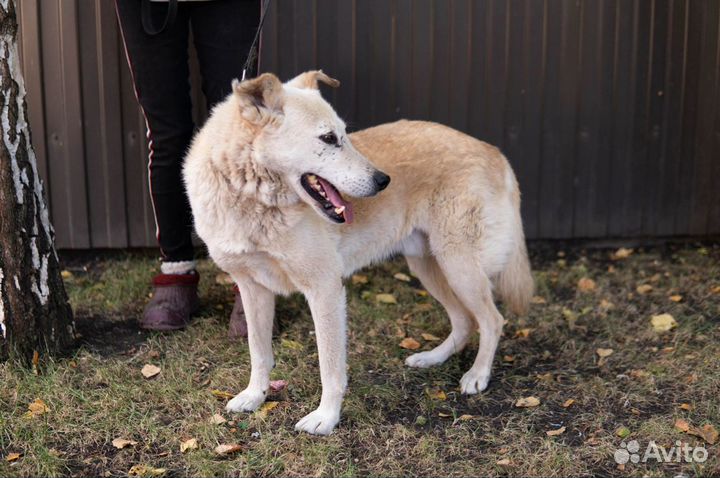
<point x="34" y="310"/>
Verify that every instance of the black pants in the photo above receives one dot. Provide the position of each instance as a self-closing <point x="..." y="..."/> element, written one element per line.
<point x="222" y="32"/>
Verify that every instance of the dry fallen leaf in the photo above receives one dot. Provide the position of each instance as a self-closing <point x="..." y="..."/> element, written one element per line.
<point x="430" y="337"/>
<point x="545" y="377"/>
<point x="291" y="344"/>
<point x="606" y="304"/>
<point x="621" y="253"/>
<point x="523" y="333"/>
<point x="12" y="457"/>
<point x="436" y="394"/>
<point x="222" y="395"/>
<point x="150" y="370"/>
<point x="686" y="406"/>
<point x="508" y="358"/>
<point x="586" y="285"/>
<point x="190" y="444"/>
<point x="217" y="419"/>
<point x="144" y="471"/>
<point x="715" y="290"/>
<point x="464" y="418"/>
<point x="359" y="279"/>
<point x="663" y="322"/>
<point x="277" y="385"/>
<point x="568" y="402"/>
<point x="638" y="373"/>
<point x="676" y="298"/>
<point x="121" y="443"/>
<point x="644" y="289"/>
<point x="263" y="411"/>
<point x="410" y="343"/>
<point x="66" y="274"/>
<point x="682" y="425"/>
<point x="444" y="415"/>
<point x="422" y="307"/>
<point x="538" y="300"/>
<point x="527" y="402"/>
<point x="36" y="408"/>
<point x="602" y="353"/>
<point x="503" y="462"/>
<point x="707" y="433"/>
<point x="553" y="433"/>
<point x="385" y="299"/>
<point x="402" y="277"/>
<point x="224" y="450"/>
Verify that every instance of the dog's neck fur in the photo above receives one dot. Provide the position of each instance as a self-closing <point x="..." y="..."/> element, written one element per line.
<point x="245" y="177"/>
<point x="234" y="180"/>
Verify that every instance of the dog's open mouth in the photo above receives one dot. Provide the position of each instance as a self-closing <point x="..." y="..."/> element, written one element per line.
<point x="328" y="198"/>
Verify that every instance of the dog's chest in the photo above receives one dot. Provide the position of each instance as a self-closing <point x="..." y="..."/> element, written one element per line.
<point x="259" y="266"/>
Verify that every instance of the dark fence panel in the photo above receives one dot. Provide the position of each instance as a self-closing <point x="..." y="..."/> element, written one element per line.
<point x="609" y="111"/>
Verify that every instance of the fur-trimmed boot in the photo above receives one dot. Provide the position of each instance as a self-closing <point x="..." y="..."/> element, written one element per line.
<point x="175" y="299"/>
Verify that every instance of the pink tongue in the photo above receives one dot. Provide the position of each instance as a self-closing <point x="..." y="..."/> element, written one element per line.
<point x="337" y="200"/>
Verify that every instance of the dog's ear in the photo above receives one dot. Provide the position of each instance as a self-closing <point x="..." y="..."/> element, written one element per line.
<point x="263" y="94"/>
<point x="310" y="79"/>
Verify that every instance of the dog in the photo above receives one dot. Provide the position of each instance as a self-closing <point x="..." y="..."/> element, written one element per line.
<point x="286" y="201"/>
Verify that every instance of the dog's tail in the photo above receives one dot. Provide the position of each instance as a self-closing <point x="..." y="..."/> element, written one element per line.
<point x="515" y="284"/>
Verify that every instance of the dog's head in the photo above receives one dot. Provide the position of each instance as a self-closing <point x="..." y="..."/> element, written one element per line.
<point x="299" y="136"/>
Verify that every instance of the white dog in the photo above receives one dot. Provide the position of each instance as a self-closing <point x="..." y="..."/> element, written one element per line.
<point x="268" y="176"/>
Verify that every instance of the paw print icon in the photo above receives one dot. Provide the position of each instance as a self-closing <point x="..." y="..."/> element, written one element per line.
<point x="627" y="452"/>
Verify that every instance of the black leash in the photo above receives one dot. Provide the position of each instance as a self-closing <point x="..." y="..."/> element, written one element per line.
<point x="252" y="54"/>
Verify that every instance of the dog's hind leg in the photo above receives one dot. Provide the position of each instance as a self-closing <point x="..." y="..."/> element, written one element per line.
<point x="259" y="305"/>
<point x="427" y="270"/>
<point x="472" y="286"/>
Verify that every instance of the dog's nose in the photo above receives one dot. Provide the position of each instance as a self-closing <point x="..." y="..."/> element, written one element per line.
<point x="381" y="180"/>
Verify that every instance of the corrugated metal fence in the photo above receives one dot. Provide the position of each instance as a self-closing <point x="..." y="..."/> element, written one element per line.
<point x="608" y="110"/>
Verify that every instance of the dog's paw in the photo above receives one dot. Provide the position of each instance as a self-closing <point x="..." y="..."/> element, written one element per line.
<point x="245" y="401"/>
<point x="319" y="422"/>
<point x="472" y="383"/>
<point x="423" y="359"/>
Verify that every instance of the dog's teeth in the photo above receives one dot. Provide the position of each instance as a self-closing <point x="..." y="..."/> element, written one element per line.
<point x="339" y="210"/>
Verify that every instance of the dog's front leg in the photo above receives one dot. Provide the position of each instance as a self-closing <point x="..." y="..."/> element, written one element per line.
<point x="327" y="305"/>
<point x="259" y="305"/>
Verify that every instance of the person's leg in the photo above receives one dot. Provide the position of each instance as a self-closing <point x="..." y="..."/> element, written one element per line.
<point x="160" y="72"/>
<point x="223" y="31"/>
<point x="159" y="66"/>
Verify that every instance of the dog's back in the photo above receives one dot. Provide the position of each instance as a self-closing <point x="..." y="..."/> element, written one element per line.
<point x="463" y="189"/>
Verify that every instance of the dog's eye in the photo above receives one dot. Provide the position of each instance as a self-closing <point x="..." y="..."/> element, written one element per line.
<point x="329" y="138"/>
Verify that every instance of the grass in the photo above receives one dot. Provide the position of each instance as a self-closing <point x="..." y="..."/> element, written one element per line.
<point x="391" y="425"/>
